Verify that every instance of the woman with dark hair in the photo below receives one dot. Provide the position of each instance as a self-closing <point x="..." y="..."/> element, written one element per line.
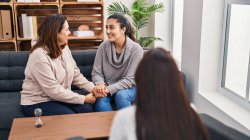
<point x="51" y="70"/>
<point x="162" y="110"/>
<point x="115" y="65"/>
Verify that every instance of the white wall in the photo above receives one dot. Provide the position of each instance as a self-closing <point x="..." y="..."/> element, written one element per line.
<point x="202" y="33"/>
<point x="162" y="22"/>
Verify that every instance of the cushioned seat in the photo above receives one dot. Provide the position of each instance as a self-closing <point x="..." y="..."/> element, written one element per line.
<point x="220" y="131"/>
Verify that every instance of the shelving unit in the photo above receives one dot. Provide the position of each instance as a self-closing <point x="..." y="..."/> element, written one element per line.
<point x="78" y="13"/>
<point x="37" y="10"/>
<point x="84" y="13"/>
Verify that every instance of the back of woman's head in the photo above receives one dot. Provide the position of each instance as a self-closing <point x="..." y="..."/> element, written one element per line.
<point x="47" y="35"/>
<point x="124" y="22"/>
<point x="163" y="110"/>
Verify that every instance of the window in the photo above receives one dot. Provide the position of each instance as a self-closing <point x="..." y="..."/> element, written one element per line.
<point x="177" y="29"/>
<point x="236" y="61"/>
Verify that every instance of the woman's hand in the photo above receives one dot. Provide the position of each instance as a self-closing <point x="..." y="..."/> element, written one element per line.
<point x="100" y="91"/>
<point x="90" y="98"/>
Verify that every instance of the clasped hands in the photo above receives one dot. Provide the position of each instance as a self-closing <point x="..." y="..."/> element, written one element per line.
<point x="99" y="91"/>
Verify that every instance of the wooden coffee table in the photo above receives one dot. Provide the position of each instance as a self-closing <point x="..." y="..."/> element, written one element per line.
<point x="60" y="127"/>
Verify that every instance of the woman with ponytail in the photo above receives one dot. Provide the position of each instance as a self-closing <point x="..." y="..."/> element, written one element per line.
<point x="115" y="65"/>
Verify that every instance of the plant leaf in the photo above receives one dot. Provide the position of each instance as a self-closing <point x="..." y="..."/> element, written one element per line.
<point x="146" y="41"/>
<point x="154" y="8"/>
<point x="117" y="7"/>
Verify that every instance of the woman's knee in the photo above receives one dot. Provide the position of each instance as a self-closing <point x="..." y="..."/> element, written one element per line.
<point x="121" y="95"/>
<point x="125" y="94"/>
<point x="103" y="99"/>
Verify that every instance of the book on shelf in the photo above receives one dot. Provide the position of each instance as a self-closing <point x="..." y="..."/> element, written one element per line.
<point x="34" y="22"/>
<point x="24" y="25"/>
<point x="20" y="26"/>
<point x="29" y="23"/>
<point x="28" y="26"/>
<point x="7" y="29"/>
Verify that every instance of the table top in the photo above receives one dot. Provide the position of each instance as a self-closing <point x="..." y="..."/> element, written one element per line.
<point x="87" y="125"/>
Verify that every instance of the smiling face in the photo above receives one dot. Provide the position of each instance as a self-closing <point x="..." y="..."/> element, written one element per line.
<point x="63" y="34"/>
<point x="113" y="30"/>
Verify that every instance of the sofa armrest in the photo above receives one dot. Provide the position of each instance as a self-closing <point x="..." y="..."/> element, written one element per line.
<point x="219" y="131"/>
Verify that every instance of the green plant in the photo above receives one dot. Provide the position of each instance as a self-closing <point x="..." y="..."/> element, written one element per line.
<point x="140" y="13"/>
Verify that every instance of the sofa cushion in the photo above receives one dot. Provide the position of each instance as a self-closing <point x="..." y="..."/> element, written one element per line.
<point x="4" y="133"/>
<point x="219" y="131"/>
<point x="12" y="66"/>
<point x="10" y="108"/>
<point x="85" y="61"/>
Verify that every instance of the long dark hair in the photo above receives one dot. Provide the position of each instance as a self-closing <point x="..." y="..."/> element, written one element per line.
<point x="124" y="22"/>
<point x="47" y="35"/>
<point x="162" y="107"/>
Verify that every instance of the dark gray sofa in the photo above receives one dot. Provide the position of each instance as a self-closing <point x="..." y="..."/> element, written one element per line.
<point x="12" y="66"/>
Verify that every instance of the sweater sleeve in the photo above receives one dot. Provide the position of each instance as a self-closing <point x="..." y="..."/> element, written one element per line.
<point x="97" y="72"/>
<point x="43" y="74"/>
<point x="123" y="125"/>
<point x="117" y="129"/>
<point x="127" y="81"/>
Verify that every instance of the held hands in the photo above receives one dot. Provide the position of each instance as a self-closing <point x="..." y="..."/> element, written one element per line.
<point x="100" y="91"/>
<point x="90" y="98"/>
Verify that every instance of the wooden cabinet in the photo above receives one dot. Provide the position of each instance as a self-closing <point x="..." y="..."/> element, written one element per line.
<point x="31" y="14"/>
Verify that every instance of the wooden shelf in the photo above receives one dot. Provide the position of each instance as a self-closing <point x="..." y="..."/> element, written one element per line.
<point x="41" y="1"/>
<point x="6" y="3"/>
<point x="77" y="13"/>
<point x="85" y="38"/>
<point x="35" y="3"/>
<point x="24" y="39"/>
<point x="8" y="46"/>
<point x="84" y="44"/>
<point x="11" y="41"/>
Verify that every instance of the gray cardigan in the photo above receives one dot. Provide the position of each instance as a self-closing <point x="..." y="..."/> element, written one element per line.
<point x="116" y="73"/>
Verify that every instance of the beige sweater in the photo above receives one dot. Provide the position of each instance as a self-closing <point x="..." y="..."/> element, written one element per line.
<point x="49" y="79"/>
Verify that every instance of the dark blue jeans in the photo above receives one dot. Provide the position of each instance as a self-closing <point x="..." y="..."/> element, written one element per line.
<point x="122" y="99"/>
<point x="56" y="108"/>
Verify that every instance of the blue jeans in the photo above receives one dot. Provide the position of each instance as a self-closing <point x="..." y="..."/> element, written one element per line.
<point x="122" y="99"/>
<point x="56" y="108"/>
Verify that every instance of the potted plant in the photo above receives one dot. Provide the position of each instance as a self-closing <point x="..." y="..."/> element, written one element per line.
<point x="140" y="13"/>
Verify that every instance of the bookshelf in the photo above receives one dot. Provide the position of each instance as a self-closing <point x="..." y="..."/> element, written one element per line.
<point x="31" y="14"/>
